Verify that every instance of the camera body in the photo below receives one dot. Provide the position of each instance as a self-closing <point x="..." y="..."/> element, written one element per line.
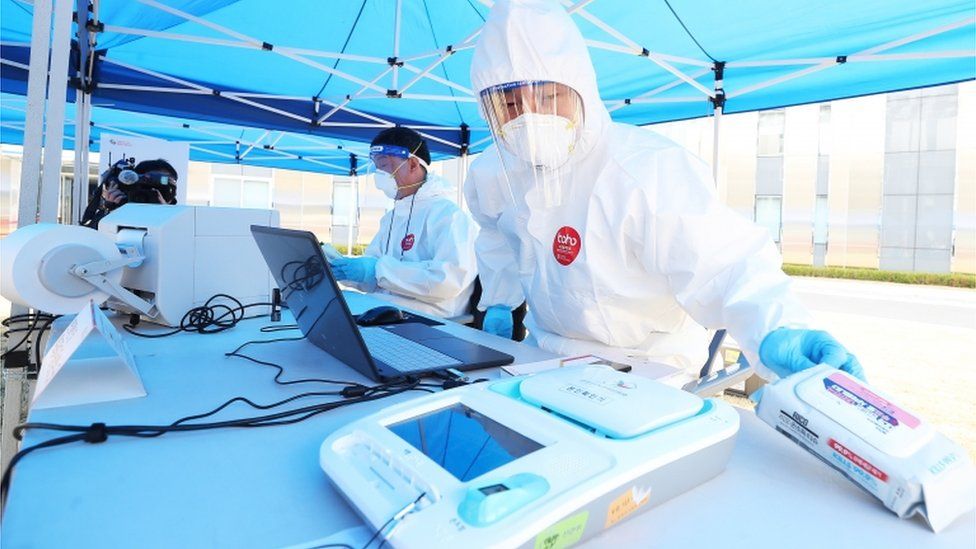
<point x="138" y="188"/>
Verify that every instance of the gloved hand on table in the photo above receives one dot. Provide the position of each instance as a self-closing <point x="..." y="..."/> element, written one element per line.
<point x="357" y="269"/>
<point x="787" y="350"/>
<point x="498" y="321"/>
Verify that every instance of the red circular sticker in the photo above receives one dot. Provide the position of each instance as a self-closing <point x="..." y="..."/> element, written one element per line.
<point x="407" y="242"/>
<point x="566" y="246"/>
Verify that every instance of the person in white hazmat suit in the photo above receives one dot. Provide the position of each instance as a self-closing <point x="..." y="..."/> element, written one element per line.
<point x="422" y="257"/>
<point x="612" y="233"/>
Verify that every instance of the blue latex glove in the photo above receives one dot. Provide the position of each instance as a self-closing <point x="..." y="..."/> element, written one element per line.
<point x="357" y="269"/>
<point x="786" y="351"/>
<point x="498" y="321"/>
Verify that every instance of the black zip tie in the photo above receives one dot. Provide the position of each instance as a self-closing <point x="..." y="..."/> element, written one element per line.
<point x="96" y="433"/>
<point x="841" y="59"/>
<point x="266" y="46"/>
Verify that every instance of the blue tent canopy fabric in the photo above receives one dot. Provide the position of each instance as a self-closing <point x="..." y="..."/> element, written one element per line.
<point x="208" y="141"/>
<point x="343" y="70"/>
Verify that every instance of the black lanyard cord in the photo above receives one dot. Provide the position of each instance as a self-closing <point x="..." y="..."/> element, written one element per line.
<point x="389" y="232"/>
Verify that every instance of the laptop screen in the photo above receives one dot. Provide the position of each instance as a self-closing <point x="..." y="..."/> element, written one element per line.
<point x="311" y="293"/>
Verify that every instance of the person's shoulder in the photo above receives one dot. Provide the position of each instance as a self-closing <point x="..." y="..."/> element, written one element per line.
<point x="653" y="170"/>
<point x="656" y="163"/>
<point x="640" y="147"/>
<point x="487" y="165"/>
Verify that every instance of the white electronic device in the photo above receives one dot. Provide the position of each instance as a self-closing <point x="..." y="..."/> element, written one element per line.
<point x="159" y="261"/>
<point x="552" y="458"/>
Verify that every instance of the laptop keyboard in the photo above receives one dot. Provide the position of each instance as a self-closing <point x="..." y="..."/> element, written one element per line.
<point x="403" y="354"/>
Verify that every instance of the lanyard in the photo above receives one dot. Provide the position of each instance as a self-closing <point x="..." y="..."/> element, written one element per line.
<point x="389" y="232"/>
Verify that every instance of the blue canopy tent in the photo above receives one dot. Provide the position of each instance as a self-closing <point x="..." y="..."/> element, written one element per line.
<point x="208" y="141"/>
<point x="346" y="69"/>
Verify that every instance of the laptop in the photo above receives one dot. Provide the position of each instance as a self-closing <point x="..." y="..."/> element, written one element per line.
<point x="382" y="353"/>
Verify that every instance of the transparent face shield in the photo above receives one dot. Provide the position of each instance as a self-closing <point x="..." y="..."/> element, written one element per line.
<point x="390" y="160"/>
<point x="539" y="125"/>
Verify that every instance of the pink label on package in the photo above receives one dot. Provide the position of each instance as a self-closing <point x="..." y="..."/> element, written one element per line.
<point x="854" y="393"/>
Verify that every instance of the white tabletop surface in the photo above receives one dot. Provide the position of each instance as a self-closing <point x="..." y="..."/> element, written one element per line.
<point x="263" y="487"/>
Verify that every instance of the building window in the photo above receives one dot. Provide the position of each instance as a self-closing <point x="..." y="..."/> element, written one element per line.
<point x="772" y="125"/>
<point x="345" y="203"/>
<point x="820" y="220"/>
<point x="241" y="192"/>
<point x="824" y="137"/>
<point x="769" y="214"/>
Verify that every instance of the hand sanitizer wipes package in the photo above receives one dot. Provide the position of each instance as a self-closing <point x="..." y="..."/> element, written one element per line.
<point x="883" y="448"/>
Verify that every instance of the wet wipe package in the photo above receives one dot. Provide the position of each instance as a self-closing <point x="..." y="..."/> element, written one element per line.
<point x="885" y="449"/>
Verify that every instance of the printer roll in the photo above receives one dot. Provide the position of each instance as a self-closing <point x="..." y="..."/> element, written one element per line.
<point x="36" y="263"/>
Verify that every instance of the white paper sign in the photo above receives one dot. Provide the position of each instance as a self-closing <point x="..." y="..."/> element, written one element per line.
<point x="112" y="148"/>
<point x="67" y="379"/>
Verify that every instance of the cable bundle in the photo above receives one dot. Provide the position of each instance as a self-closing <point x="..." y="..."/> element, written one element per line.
<point x="36" y="323"/>
<point x="209" y="318"/>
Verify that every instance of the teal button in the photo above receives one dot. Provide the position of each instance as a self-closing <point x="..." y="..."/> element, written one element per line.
<point x="490" y="502"/>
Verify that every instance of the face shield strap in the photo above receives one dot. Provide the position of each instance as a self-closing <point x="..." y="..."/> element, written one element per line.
<point x="378" y="153"/>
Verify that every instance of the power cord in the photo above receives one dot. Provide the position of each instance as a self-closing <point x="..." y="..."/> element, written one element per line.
<point x="209" y="318"/>
<point x="100" y="432"/>
<point x="281" y="370"/>
<point x="36" y="322"/>
<point x="396" y="518"/>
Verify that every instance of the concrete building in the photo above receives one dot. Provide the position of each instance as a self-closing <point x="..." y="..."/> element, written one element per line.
<point x="885" y="181"/>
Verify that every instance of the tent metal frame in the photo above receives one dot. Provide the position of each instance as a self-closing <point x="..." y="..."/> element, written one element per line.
<point x="369" y="89"/>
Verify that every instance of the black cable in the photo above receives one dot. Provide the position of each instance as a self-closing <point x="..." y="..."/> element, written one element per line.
<point x="281" y="371"/>
<point x="378" y="530"/>
<point x="393" y="518"/>
<point x="5" y="481"/>
<point x="37" y="342"/>
<point x="99" y="432"/>
<point x="32" y="319"/>
<point x="209" y="318"/>
<point x="692" y="36"/>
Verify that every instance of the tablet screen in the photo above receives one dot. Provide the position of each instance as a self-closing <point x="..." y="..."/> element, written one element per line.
<point x="463" y="441"/>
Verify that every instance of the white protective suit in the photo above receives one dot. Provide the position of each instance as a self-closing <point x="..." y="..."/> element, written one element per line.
<point x="430" y="265"/>
<point x="640" y="249"/>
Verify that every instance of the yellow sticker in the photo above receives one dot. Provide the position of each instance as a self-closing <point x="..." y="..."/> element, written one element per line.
<point x="564" y="533"/>
<point x="627" y="503"/>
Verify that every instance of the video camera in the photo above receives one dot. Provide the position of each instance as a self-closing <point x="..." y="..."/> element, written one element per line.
<point x="139" y="188"/>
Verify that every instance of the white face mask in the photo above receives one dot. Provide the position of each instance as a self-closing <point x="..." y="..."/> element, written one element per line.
<point x="545" y="140"/>
<point x="386" y="183"/>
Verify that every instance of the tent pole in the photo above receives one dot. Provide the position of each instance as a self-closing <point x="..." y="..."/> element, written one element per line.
<point x="718" y="105"/>
<point x="86" y="42"/>
<point x="30" y="173"/>
<point x="396" y="42"/>
<point x="463" y="163"/>
<point x="54" y="123"/>
<point x="79" y="187"/>
<point x="354" y="203"/>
